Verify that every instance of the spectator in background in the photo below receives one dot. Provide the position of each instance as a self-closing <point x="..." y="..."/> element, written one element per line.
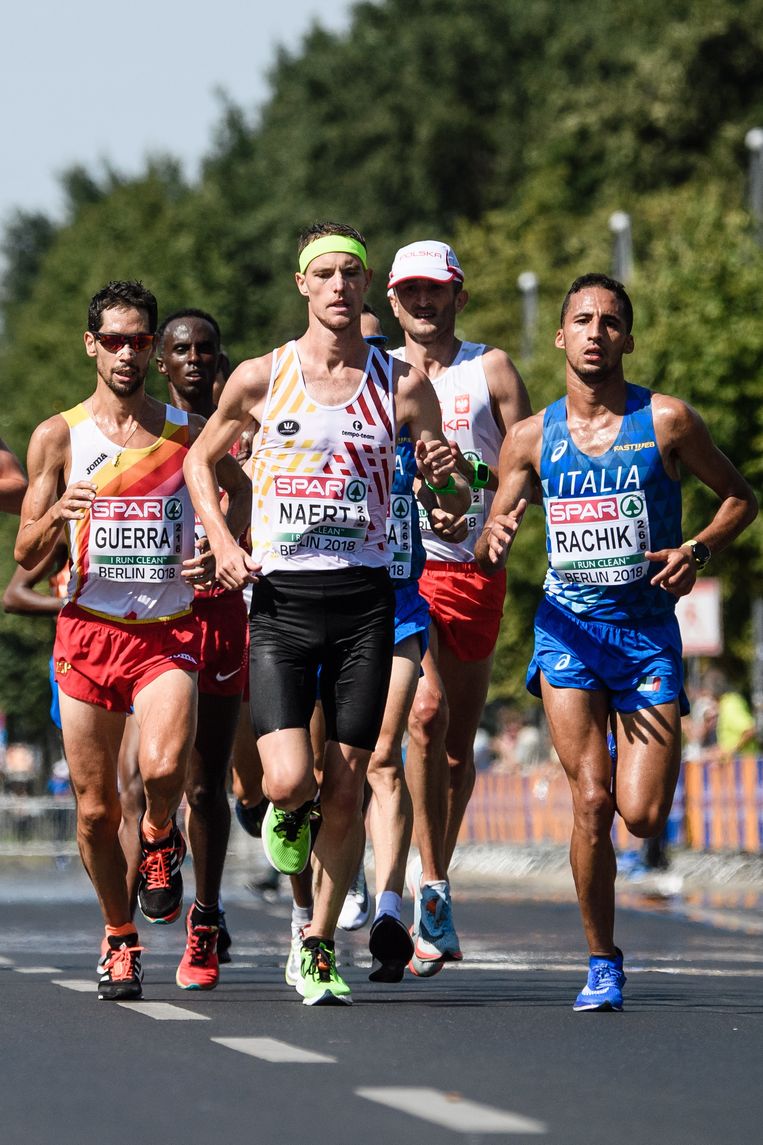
<point x="735" y="723"/>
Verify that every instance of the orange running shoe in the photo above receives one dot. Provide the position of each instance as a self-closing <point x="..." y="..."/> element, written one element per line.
<point x="199" y="967"/>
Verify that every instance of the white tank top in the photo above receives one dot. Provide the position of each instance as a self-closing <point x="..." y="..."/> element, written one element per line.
<point x="321" y="475"/>
<point x="127" y="552"/>
<point x="467" y="418"/>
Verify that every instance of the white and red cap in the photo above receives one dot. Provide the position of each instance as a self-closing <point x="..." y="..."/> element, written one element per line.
<point x="433" y="260"/>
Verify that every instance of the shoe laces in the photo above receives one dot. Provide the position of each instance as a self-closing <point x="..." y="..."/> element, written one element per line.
<point x="288" y="824"/>
<point x="202" y="944"/>
<point x="320" y="963"/>
<point x="603" y="974"/>
<point x="155" y="867"/>
<point x="120" y="965"/>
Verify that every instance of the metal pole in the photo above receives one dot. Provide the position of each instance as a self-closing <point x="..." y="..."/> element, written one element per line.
<point x="528" y="285"/>
<point x="754" y="144"/>
<point x="622" y="252"/>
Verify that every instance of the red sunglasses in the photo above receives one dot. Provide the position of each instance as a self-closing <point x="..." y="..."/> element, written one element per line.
<point x="113" y="343"/>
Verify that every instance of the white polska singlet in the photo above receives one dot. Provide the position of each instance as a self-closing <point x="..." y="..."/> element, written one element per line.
<point x="467" y="419"/>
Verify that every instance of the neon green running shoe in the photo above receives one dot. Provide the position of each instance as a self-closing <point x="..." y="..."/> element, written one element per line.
<point x="286" y="838"/>
<point x="320" y="983"/>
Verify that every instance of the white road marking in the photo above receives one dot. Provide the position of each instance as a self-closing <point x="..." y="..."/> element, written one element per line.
<point x="37" y="970"/>
<point x="451" y="1110"/>
<point x="631" y="968"/>
<point x="82" y="985"/>
<point x="164" y="1012"/>
<point x="5" y="961"/>
<point x="271" y="1050"/>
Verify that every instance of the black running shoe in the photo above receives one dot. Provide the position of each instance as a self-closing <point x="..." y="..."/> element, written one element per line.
<point x="160" y="883"/>
<point x="391" y="948"/>
<point x="122" y="974"/>
<point x="250" y="817"/>
<point x="223" y="939"/>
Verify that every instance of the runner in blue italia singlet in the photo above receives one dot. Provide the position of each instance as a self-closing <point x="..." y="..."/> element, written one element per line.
<point x="602" y="623"/>
<point x="606" y="459"/>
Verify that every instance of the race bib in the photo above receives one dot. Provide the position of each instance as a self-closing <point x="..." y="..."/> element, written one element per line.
<point x="136" y="538"/>
<point x="400" y="535"/>
<point x="599" y="540"/>
<point x="327" y="514"/>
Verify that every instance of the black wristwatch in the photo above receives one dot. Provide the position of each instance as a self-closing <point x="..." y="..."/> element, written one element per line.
<point x="699" y="551"/>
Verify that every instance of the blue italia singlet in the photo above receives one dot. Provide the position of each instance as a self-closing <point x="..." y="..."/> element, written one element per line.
<point x="403" y="532"/>
<point x="604" y="513"/>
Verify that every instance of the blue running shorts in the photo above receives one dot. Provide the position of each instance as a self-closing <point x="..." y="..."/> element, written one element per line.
<point x="411" y="615"/>
<point x="637" y="667"/>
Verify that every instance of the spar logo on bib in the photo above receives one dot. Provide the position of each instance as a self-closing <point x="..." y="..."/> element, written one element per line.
<point x="399" y="507"/>
<point x="134" y="509"/>
<point x="323" y="488"/>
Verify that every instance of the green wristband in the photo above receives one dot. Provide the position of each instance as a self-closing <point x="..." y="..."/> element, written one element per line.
<point x="449" y="486"/>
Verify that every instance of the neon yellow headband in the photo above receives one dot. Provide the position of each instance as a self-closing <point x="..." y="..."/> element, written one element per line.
<point x="332" y="244"/>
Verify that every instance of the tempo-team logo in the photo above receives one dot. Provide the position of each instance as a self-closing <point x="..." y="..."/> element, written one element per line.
<point x="566" y="512"/>
<point x="559" y="450"/>
<point x="324" y="488"/>
<point x="288" y="427"/>
<point x="134" y="509"/>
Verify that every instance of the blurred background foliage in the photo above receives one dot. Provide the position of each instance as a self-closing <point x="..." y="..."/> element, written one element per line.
<point x="513" y="129"/>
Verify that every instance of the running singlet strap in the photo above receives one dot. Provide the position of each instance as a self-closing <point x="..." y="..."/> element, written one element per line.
<point x="604" y="513"/>
<point x="321" y="475"/>
<point x="127" y="552"/>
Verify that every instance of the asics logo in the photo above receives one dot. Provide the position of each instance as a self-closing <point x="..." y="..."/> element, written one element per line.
<point x="562" y="663"/>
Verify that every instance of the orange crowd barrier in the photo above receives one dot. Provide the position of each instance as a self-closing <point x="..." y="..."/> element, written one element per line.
<point x="718" y="807"/>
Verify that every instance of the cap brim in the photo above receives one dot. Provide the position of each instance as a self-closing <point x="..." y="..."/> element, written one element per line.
<point x="444" y="276"/>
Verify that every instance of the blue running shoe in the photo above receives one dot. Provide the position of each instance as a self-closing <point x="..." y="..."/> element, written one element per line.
<point x="604" y="988"/>
<point x="436" y="940"/>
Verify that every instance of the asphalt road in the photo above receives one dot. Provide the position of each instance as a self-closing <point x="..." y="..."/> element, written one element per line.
<point x="489" y="1051"/>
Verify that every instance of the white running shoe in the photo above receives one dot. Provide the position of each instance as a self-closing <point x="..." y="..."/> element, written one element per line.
<point x="357" y="904"/>
<point x="413" y="883"/>
<point x="292" y="969"/>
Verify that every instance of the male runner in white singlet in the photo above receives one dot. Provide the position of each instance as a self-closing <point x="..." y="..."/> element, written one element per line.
<point x="326" y="409"/>
<point x="109" y="471"/>
<point x="607" y="458"/>
<point x="481" y="395"/>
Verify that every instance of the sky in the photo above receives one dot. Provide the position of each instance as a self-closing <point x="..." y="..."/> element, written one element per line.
<point x="83" y="82"/>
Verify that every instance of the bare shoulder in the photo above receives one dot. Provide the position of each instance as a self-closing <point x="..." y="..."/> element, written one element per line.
<point x="253" y="374"/>
<point x="51" y="437"/>
<point x="405" y="376"/>
<point x="497" y="364"/>
<point x="523" y="438"/>
<point x="674" y="419"/>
